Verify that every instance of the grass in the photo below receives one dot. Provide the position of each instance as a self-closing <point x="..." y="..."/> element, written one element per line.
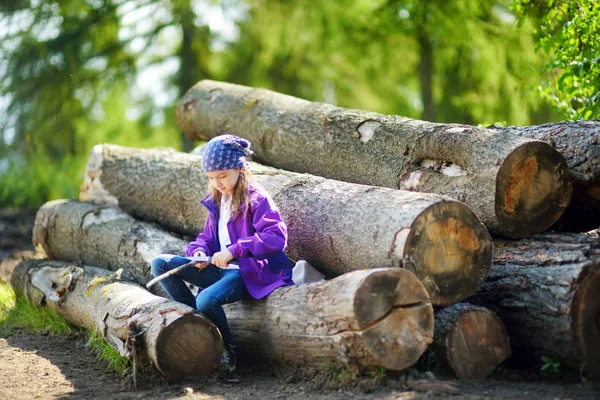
<point x="103" y="351"/>
<point x="19" y="314"/>
<point x="16" y="313"/>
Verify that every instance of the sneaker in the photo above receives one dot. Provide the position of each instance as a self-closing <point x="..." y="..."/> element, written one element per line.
<point x="228" y="360"/>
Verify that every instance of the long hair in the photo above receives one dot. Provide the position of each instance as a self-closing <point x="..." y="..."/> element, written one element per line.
<point x="245" y="181"/>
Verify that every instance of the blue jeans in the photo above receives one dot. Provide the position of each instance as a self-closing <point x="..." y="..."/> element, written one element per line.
<point x="218" y="286"/>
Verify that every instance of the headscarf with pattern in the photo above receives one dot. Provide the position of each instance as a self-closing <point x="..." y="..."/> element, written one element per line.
<point x="225" y="152"/>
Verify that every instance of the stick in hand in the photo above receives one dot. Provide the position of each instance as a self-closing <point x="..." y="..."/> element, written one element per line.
<point x="181" y="267"/>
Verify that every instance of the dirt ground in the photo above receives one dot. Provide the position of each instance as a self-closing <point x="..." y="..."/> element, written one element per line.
<point x="38" y="366"/>
<point x="60" y="367"/>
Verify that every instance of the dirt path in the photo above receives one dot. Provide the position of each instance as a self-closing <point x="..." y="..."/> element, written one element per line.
<point x="55" y="367"/>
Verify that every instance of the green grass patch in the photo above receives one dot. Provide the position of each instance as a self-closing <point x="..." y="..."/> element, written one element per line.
<point x="7" y="299"/>
<point x="106" y="353"/>
<point x="19" y="314"/>
<point x="16" y="313"/>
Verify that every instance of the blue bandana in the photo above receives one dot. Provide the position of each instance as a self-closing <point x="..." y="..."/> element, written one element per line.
<point x="225" y="152"/>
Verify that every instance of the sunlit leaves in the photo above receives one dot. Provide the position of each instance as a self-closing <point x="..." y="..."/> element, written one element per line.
<point x="570" y="34"/>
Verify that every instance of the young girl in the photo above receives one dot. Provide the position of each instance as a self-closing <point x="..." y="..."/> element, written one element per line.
<point x="243" y="224"/>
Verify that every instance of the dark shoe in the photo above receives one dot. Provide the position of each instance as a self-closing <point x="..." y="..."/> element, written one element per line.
<point x="228" y="360"/>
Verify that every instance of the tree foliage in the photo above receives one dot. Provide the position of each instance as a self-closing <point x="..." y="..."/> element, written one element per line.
<point x="74" y="73"/>
<point x="569" y="32"/>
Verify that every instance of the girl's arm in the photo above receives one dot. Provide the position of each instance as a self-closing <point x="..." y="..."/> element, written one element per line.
<point x="205" y="240"/>
<point x="270" y="236"/>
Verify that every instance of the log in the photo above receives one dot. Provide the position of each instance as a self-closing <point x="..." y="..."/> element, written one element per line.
<point x="104" y="237"/>
<point x="517" y="186"/>
<point x="336" y="226"/>
<point x="579" y="144"/>
<point x="361" y="320"/>
<point x="179" y="342"/>
<point x="546" y="290"/>
<point x="469" y="341"/>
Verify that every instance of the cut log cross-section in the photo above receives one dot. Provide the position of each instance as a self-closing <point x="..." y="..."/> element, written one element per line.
<point x="102" y="236"/>
<point x="178" y="341"/>
<point x="579" y="143"/>
<point x="361" y="320"/>
<point x="546" y="290"/>
<point x="336" y="226"/>
<point x="470" y="341"/>
<point x="517" y="186"/>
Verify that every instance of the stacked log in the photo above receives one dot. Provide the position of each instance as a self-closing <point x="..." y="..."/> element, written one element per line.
<point x="579" y="143"/>
<point x="546" y="289"/>
<point x="178" y="341"/>
<point x="336" y="226"/>
<point x="470" y="341"/>
<point x="103" y="237"/>
<point x="517" y="186"/>
<point x="360" y="320"/>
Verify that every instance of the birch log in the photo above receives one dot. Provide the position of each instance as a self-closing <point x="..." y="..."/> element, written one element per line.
<point x="546" y="290"/>
<point x="336" y="226"/>
<point x="470" y="341"/>
<point x="361" y="320"/>
<point x="579" y="144"/>
<point x="517" y="186"/>
<point x="178" y="341"/>
<point x="102" y="236"/>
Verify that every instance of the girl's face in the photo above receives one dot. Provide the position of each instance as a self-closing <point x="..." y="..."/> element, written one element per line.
<point x="225" y="180"/>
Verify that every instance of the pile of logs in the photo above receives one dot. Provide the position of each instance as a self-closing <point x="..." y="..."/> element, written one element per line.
<point x="397" y="214"/>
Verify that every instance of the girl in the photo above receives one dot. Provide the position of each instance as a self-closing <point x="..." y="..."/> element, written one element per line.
<point x="243" y="223"/>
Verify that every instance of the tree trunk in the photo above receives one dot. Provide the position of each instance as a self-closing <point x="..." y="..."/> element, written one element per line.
<point x="470" y="341"/>
<point x="579" y="143"/>
<point x="517" y="186"/>
<point x="362" y="320"/>
<point x="102" y="236"/>
<point x="336" y="226"/>
<point x="546" y="290"/>
<point x="178" y="341"/>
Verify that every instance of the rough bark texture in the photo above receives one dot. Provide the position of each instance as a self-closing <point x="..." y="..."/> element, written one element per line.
<point x="546" y="290"/>
<point x="470" y="341"/>
<point x="177" y="340"/>
<point x="361" y="320"/>
<point x="336" y="226"/>
<point x="517" y="186"/>
<point x="579" y="144"/>
<point x="102" y="236"/>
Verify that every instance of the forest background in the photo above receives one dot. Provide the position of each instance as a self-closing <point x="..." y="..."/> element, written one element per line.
<point x="75" y="73"/>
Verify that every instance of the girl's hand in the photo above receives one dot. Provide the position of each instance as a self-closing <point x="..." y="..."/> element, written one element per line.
<point x="222" y="258"/>
<point x="203" y="264"/>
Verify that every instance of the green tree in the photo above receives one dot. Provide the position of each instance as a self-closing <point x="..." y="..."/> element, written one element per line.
<point x="453" y="61"/>
<point x="60" y="63"/>
<point x="569" y="34"/>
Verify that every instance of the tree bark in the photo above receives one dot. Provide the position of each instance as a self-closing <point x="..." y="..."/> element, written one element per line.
<point x="579" y="144"/>
<point x="102" y="236"/>
<point x="470" y="341"/>
<point x="517" y="186"/>
<point x="546" y="290"/>
<point x="361" y="320"/>
<point x="178" y="341"/>
<point x="336" y="226"/>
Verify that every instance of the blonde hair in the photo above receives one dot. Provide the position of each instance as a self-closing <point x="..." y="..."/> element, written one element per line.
<point x="240" y="192"/>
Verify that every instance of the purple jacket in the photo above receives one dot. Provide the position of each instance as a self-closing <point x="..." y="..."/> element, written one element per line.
<point x="258" y="239"/>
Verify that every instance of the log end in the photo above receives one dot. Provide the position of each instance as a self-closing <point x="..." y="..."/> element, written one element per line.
<point x="450" y="250"/>
<point x="586" y="319"/>
<point x="476" y="344"/>
<point x="189" y="346"/>
<point x="393" y="309"/>
<point x="533" y="189"/>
